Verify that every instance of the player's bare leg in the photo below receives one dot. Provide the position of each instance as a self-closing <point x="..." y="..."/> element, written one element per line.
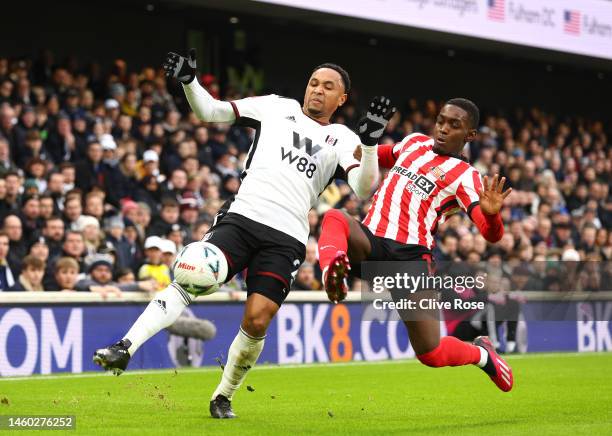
<point x="243" y="353"/>
<point x="424" y="333"/>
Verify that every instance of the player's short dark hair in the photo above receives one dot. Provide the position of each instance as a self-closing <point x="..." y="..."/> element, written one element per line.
<point x="346" y="80"/>
<point x="468" y="106"/>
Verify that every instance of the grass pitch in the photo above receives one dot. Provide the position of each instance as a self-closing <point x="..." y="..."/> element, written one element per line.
<point x="553" y="394"/>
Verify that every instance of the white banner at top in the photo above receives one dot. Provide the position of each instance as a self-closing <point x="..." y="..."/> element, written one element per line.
<point x="582" y="27"/>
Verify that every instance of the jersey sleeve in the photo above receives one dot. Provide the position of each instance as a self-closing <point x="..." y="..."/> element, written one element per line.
<point x="253" y="108"/>
<point x="346" y="159"/>
<point x="491" y="227"/>
<point x="470" y="184"/>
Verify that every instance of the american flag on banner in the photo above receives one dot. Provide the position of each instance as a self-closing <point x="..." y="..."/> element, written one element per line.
<point x="571" y="22"/>
<point x="496" y="10"/>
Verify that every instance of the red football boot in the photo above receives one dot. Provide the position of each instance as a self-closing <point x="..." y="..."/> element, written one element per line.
<point x="334" y="277"/>
<point x="503" y="373"/>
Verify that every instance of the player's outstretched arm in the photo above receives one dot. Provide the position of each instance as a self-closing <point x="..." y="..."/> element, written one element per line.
<point x="202" y="103"/>
<point x="486" y="214"/>
<point x="370" y="129"/>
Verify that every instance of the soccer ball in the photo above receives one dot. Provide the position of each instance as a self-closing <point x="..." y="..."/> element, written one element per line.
<point x="200" y="268"/>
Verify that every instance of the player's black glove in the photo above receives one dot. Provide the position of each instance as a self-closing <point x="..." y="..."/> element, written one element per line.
<point x="179" y="67"/>
<point x="372" y="125"/>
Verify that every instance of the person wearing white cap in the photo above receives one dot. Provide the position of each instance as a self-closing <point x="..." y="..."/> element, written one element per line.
<point x="150" y="156"/>
<point x="570" y="255"/>
<point x="89" y="226"/>
<point x="168" y="253"/>
<point x="153" y="267"/>
<point x="111" y="104"/>
<point x="150" y="165"/>
<point x="109" y="149"/>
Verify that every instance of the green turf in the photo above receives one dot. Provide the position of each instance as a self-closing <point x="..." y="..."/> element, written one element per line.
<point x="554" y="394"/>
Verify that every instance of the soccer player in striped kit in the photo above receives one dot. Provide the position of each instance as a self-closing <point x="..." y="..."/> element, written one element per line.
<point x="427" y="180"/>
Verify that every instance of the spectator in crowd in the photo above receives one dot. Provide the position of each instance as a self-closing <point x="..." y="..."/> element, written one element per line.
<point x="168" y="254"/>
<point x="189" y="210"/>
<point x="91" y="171"/>
<point x="40" y="249"/>
<point x="31" y="277"/>
<point x="74" y="246"/>
<point x="312" y="257"/>
<point x="12" y="197"/>
<point x="168" y="215"/>
<point x="65" y="275"/>
<point x="47" y="207"/>
<point x="89" y="226"/>
<point x="305" y="278"/>
<point x="114" y="228"/>
<point x="73" y="210"/>
<point x="53" y="231"/>
<point x="7" y="277"/>
<point x="94" y="204"/>
<point x="100" y="279"/>
<point x="125" y="275"/>
<point x="30" y="215"/>
<point x="18" y="245"/>
<point x="176" y="234"/>
<point x="6" y="163"/>
<point x="153" y="267"/>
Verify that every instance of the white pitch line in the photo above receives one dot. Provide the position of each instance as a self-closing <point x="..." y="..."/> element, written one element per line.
<point x="268" y="367"/>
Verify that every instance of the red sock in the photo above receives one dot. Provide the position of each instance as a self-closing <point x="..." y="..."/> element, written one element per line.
<point x="334" y="236"/>
<point x="451" y="352"/>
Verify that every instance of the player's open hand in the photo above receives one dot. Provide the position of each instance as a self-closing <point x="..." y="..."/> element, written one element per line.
<point x="179" y="67"/>
<point x="493" y="195"/>
<point x="372" y="125"/>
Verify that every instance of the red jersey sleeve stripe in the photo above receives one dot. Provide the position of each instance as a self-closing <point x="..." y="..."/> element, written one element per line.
<point x="464" y="198"/>
<point x="476" y="181"/>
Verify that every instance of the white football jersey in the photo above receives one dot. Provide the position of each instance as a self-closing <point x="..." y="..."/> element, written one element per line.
<point x="291" y="161"/>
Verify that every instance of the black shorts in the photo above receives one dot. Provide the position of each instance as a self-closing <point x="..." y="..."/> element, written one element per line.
<point x="270" y="256"/>
<point x="388" y="250"/>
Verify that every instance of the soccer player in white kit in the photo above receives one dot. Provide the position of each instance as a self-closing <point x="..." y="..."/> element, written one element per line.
<point x="295" y="154"/>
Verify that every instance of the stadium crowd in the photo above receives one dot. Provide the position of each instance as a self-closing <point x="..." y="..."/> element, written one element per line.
<point x="105" y="177"/>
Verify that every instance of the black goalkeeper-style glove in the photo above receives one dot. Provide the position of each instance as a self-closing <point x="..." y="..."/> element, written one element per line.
<point x="372" y="125"/>
<point x="181" y="68"/>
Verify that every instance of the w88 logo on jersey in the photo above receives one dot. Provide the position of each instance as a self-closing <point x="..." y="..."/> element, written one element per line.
<point x="302" y="163"/>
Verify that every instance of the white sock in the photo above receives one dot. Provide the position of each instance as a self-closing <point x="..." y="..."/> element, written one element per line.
<point x="242" y="355"/>
<point x="484" y="357"/>
<point x="162" y="311"/>
<point x="510" y="346"/>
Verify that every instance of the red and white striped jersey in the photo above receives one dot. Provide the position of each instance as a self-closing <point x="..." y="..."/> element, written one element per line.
<point x="419" y="191"/>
